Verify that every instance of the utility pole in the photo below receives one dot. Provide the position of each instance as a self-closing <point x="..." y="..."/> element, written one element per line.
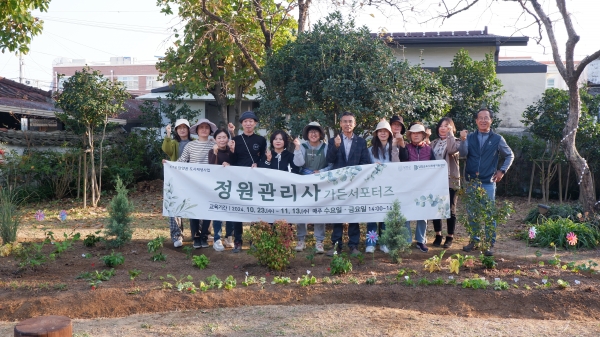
<point x="20" y="67"/>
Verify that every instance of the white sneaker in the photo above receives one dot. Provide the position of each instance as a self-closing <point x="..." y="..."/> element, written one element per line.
<point x="319" y="247"/>
<point x="177" y="244"/>
<point x="218" y="246"/>
<point x="370" y="249"/>
<point x="300" y="246"/>
<point x="384" y="249"/>
<point x="229" y="242"/>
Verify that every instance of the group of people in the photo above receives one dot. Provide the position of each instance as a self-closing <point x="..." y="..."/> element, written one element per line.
<point x="313" y="155"/>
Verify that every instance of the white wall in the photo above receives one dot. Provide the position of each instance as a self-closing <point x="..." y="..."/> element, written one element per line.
<point x="522" y="90"/>
<point x="439" y="56"/>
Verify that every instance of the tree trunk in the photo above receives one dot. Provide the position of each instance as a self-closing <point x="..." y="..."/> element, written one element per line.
<point x="582" y="171"/>
<point x="303" y="6"/>
<point x="239" y="96"/>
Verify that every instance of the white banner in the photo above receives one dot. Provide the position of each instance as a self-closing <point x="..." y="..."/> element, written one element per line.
<point x="351" y="194"/>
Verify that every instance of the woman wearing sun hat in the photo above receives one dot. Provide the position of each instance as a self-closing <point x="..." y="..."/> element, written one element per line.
<point x="311" y="158"/>
<point x="173" y="147"/>
<point x="384" y="149"/>
<point x="197" y="152"/>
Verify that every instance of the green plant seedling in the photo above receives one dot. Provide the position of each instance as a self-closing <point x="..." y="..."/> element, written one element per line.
<point x="113" y="259"/>
<point x="201" y="261"/>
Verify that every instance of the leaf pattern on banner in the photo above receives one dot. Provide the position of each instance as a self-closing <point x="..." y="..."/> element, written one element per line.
<point x="341" y="174"/>
<point x="180" y="210"/>
<point x="441" y="202"/>
<point x="376" y="171"/>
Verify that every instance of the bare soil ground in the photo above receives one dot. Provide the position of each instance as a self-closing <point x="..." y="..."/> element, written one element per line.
<point x="387" y="308"/>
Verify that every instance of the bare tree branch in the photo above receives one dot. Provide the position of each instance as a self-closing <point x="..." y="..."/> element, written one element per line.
<point x="573" y="37"/>
<point x="550" y="31"/>
<point x="585" y="62"/>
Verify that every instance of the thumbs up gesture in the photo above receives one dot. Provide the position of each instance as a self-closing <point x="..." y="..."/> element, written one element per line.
<point x="231" y="145"/>
<point x="269" y="155"/>
<point x="297" y="143"/>
<point x="215" y="148"/>
<point x="231" y="128"/>
<point x="399" y="140"/>
<point x="338" y="141"/>
<point x="464" y="134"/>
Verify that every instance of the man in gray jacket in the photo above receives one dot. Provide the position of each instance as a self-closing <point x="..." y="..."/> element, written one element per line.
<point x="482" y="149"/>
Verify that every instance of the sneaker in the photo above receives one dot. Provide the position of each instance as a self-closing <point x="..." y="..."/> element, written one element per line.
<point x="471" y="246"/>
<point x="489" y="252"/>
<point x="384" y="249"/>
<point x="197" y="243"/>
<point x="422" y="247"/>
<point x="300" y="246"/>
<point x="237" y="248"/>
<point x="448" y="242"/>
<point x="438" y="241"/>
<point x="319" y="247"/>
<point x="204" y="243"/>
<point x="229" y="242"/>
<point x="370" y="249"/>
<point x="332" y="251"/>
<point x="218" y="246"/>
<point x="177" y="244"/>
<point x="354" y="251"/>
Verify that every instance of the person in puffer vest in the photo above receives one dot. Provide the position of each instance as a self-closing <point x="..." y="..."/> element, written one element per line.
<point x="417" y="150"/>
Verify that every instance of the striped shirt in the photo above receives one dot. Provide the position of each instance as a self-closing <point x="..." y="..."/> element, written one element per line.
<point x="197" y="152"/>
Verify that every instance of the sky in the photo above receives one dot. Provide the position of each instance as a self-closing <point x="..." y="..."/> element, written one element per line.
<point x="96" y="30"/>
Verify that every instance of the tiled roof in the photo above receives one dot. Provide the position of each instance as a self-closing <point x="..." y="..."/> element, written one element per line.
<point x="12" y="89"/>
<point x="446" y="38"/>
<point x="518" y="63"/>
<point x="132" y="107"/>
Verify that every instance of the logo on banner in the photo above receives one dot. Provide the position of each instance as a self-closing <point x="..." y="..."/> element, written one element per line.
<point x="429" y="166"/>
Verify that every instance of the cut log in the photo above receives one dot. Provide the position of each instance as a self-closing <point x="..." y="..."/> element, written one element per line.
<point x="47" y="326"/>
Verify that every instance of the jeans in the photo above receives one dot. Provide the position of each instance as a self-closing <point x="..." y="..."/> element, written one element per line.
<point x="419" y="233"/>
<point x="238" y="230"/>
<point x="353" y="234"/>
<point x="218" y="225"/>
<point x="451" y="221"/>
<point x="319" y="231"/>
<point x="490" y="190"/>
<point x="199" y="228"/>
<point x="372" y="226"/>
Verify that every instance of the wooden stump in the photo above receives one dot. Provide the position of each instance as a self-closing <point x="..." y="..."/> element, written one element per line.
<point x="47" y="326"/>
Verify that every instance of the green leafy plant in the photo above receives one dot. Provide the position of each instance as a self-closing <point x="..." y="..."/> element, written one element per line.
<point x="340" y="264"/>
<point x="423" y="281"/>
<point x="249" y="280"/>
<point x="353" y="280"/>
<point x="562" y="284"/>
<point x="230" y="282"/>
<point x="104" y="275"/>
<point x="188" y="252"/>
<point x="156" y="244"/>
<point x="326" y="279"/>
<point x="113" y="259"/>
<point x="500" y="285"/>
<point x="566" y="211"/>
<point x="311" y="257"/>
<point x="91" y="239"/>
<point x="272" y="244"/>
<point x="158" y="257"/>
<point x="395" y="237"/>
<point x="405" y="272"/>
<point x="281" y="280"/>
<point x="434" y="263"/>
<point x="133" y="274"/>
<point x="488" y="261"/>
<point x="62" y="246"/>
<point x="31" y="255"/>
<point x="201" y="261"/>
<point x="307" y="279"/>
<point x="371" y="280"/>
<point x="118" y="230"/>
<point x="214" y="282"/>
<point x="475" y="283"/>
<point x="438" y="281"/>
<point x="182" y="284"/>
<point x="408" y="281"/>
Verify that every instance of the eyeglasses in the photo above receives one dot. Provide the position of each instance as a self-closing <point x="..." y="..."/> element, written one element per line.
<point x="314" y="131"/>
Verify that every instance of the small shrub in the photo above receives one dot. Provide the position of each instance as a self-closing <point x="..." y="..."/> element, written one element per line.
<point x="281" y="280"/>
<point x="475" y="283"/>
<point x="230" y="282"/>
<point x="555" y="211"/>
<point x="159" y="257"/>
<point x="113" y="259"/>
<point x="156" y="244"/>
<point x="118" y="231"/>
<point x="488" y="261"/>
<point x="555" y="231"/>
<point x="201" y="261"/>
<point x="395" y="237"/>
<point x="272" y="244"/>
<point x="434" y="263"/>
<point x="306" y="280"/>
<point x="371" y="280"/>
<point x="214" y="282"/>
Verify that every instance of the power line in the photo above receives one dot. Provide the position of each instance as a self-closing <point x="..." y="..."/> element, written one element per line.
<point x="120" y="27"/>
<point x="83" y="44"/>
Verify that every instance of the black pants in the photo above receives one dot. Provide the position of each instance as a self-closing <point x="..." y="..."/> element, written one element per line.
<point x="450" y="222"/>
<point x="199" y="228"/>
<point x="238" y="230"/>
<point x="353" y="234"/>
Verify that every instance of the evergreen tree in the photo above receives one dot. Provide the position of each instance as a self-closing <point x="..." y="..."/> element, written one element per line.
<point x="395" y="236"/>
<point x="119" y="218"/>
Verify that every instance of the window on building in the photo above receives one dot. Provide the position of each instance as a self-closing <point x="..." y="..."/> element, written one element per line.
<point x="61" y="81"/>
<point x="152" y="82"/>
<point x="550" y="83"/>
<point x="131" y="82"/>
